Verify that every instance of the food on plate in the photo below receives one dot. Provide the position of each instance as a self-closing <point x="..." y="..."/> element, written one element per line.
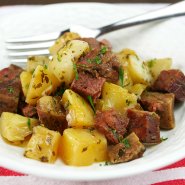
<point x="43" y="145"/>
<point x="51" y="113"/>
<point x="16" y="128"/>
<point x="162" y="104"/>
<point x="129" y="149"/>
<point x="145" y="125"/>
<point x="78" y="112"/>
<point x="86" y="103"/>
<point x="10" y="88"/>
<point x="172" y="81"/>
<point x="82" y="147"/>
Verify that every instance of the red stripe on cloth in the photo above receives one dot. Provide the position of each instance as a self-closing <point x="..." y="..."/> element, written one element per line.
<point x="174" y="165"/>
<point x="173" y="182"/>
<point x="5" y="172"/>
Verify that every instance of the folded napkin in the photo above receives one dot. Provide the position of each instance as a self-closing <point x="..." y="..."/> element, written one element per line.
<point x="171" y="175"/>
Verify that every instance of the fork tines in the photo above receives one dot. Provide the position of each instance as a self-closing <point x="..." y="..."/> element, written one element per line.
<point x="20" y="48"/>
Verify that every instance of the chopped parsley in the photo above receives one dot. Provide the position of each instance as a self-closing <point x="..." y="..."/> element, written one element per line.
<point x="121" y="76"/>
<point x="97" y="60"/>
<point x="128" y="102"/>
<point x="103" y="50"/>
<point x="45" y="66"/>
<point x="10" y="90"/>
<point x="59" y="58"/>
<point x="89" y="60"/>
<point x="107" y="163"/>
<point x="163" y="139"/>
<point x="60" y="92"/>
<point x="76" y="71"/>
<point x="151" y="63"/>
<point x="29" y="123"/>
<point x="125" y="142"/>
<point x="91" y="102"/>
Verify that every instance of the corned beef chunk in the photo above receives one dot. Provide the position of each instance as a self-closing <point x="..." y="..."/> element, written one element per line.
<point x="93" y="43"/>
<point x="112" y="124"/>
<point x="145" y="125"/>
<point x="162" y="104"/>
<point x="87" y="85"/>
<point x="29" y="111"/>
<point x="10" y="88"/>
<point x="51" y="113"/>
<point x="100" y="61"/>
<point x="172" y="81"/>
<point x="128" y="149"/>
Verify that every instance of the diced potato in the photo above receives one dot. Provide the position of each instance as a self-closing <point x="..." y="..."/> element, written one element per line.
<point x="43" y="145"/>
<point x="63" y="64"/>
<point x="137" y="89"/>
<point x="60" y="42"/>
<point x="15" y="128"/>
<point x="43" y="82"/>
<point x="127" y="80"/>
<point x="34" y="61"/>
<point x="25" y="78"/>
<point x="157" y="65"/>
<point x="79" y="112"/>
<point x="138" y="70"/>
<point x="116" y="97"/>
<point x="123" y="56"/>
<point x="82" y="147"/>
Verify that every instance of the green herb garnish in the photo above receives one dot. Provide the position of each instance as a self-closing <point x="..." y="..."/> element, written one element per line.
<point x="29" y="123"/>
<point x="76" y="71"/>
<point x="163" y="139"/>
<point x="45" y="66"/>
<point x="59" y="58"/>
<point x="10" y="90"/>
<point x="103" y="50"/>
<point x="151" y="63"/>
<point x="121" y="76"/>
<point x="107" y="163"/>
<point x="91" y="102"/>
<point x="97" y="60"/>
<point x="126" y="143"/>
<point x="60" y="92"/>
<point x="128" y="102"/>
<point x="89" y="60"/>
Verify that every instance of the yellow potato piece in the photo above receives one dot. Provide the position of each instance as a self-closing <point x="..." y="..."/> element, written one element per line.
<point x="43" y="145"/>
<point x="60" y="42"/>
<point x="34" y="61"/>
<point x="116" y="97"/>
<point x="137" y="89"/>
<point x="43" y="82"/>
<point x="82" y="147"/>
<point x="157" y="65"/>
<point x="25" y="78"/>
<point x="15" y="127"/>
<point x="79" y="112"/>
<point x="138" y="70"/>
<point x="63" y="63"/>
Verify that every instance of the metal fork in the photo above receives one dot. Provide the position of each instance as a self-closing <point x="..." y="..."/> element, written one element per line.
<point x="21" y="48"/>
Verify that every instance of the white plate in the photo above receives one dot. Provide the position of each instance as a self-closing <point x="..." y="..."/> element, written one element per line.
<point x="161" y="39"/>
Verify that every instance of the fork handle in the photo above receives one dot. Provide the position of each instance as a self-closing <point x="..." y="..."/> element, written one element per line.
<point x="172" y="10"/>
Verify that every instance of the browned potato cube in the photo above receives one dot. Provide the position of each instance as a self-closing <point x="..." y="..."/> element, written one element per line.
<point x="163" y="105"/>
<point x="145" y="125"/>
